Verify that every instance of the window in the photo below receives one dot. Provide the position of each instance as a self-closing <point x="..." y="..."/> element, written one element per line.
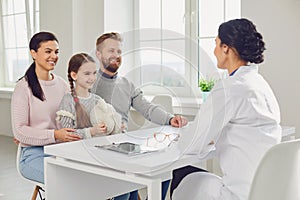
<point x="211" y="15"/>
<point x="19" y="20"/>
<point x="176" y="41"/>
<point x="161" y="50"/>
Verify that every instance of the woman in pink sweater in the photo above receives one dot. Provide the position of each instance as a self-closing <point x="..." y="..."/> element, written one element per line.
<point x="34" y="104"/>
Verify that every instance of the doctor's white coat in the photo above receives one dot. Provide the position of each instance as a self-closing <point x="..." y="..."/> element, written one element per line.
<point x="242" y="117"/>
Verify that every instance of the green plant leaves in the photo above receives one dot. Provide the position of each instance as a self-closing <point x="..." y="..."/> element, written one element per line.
<point x="206" y="84"/>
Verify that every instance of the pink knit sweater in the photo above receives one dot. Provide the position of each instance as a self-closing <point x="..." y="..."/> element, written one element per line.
<point x="33" y="120"/>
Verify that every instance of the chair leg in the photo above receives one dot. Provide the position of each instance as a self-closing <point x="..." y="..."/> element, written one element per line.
<point x="40" y="193"/>
<point x="35" y="192"/>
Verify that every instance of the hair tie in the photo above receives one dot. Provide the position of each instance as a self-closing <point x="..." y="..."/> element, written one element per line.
<point x="76" y="99"/>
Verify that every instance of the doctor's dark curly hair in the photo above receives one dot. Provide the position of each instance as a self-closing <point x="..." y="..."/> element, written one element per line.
<point x="241" y="34"/>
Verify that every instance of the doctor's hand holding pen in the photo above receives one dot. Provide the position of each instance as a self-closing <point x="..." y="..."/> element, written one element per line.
<point x="178" y="121"/>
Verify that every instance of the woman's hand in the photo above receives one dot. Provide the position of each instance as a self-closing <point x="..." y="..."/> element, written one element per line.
<point x="99" y="129"/>
<point x="66" y="135"/>
<point x="16" y="141"/>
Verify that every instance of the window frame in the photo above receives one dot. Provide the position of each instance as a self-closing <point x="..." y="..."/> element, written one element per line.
<point x="192" y="31"/>
<point x="32" y="25"/>
<point x="152" y="89"/>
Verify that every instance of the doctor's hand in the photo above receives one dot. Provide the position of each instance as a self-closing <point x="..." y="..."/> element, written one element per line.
<point x="178" y="121"/>
<point x="98" y="129"/>
<point x="66" y="135"/>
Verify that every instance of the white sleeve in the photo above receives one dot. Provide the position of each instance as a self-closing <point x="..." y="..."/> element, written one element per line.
<point x="213" y="115"/>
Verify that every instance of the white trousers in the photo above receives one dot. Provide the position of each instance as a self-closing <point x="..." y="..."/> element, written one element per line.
<point x="202" y="186"/>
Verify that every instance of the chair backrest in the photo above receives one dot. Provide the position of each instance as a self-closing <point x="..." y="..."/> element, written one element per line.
<point x="137" y="121"/>
<point x="278" y="174"/>
<point x="165" y="101"/>
<point x="18" y="160"/>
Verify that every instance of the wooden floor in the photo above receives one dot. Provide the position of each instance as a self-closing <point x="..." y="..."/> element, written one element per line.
<point x="12" y="186"/>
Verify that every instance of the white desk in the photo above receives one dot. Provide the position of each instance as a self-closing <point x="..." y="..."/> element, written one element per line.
<point x="81" y="171"/>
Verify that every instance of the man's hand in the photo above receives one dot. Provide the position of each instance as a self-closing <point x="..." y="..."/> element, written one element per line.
<point x="178" y="121"/>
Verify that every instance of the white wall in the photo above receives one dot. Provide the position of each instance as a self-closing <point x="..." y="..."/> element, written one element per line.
<point x="119" y="17"/>
<point x="5" y="119"/>
<point x="121" y="20"/>
<point x="76" y="23"/>
<point x="280" y="26"/>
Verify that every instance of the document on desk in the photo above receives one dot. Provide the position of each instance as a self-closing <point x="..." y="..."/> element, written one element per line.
<point x="162" y="153"/>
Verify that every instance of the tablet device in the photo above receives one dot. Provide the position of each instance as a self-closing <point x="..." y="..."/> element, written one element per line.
<point x="126" y="148"/>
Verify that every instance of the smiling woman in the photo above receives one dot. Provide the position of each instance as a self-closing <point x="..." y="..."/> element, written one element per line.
<point x="34" y="103"/>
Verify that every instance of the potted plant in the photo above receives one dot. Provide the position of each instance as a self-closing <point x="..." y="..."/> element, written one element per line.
<point x="205" y="86"/>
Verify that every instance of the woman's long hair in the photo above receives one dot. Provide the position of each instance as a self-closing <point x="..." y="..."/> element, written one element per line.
<point x="30" y="75"/>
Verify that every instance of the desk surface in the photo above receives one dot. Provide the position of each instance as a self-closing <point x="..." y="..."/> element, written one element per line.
<point x="149" y="164"/>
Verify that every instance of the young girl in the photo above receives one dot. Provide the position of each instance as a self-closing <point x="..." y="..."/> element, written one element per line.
<point x="85" y="111"/>
<point x="35" y="100"/>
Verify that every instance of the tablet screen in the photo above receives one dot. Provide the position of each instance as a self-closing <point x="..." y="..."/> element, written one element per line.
<point x="124" y="147"/>
<point x="128" y="148"/>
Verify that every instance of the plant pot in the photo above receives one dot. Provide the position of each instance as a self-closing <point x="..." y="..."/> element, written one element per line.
<point x="205" y="95"/>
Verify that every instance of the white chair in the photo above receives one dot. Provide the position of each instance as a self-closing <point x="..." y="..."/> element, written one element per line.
<point x="38" y="186"/>
<point x="165" y="101"/>
<point x="278" y="174"/>
<point x="137" y="121"/>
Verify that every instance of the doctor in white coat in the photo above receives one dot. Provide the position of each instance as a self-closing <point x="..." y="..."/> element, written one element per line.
<point x="240" y="119"/>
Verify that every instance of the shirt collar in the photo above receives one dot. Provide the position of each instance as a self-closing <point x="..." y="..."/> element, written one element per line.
<point x="232" y="73"/>
<point x="105" y="75"/>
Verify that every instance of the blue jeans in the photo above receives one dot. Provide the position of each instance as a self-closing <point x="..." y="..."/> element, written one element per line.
<point x="122" y="197"/>
<point x="129" y="196"/>
<point x="164" y="189"/>
<point x="32" y="163"/>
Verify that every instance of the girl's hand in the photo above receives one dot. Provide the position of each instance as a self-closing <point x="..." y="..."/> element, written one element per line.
<point x="123" y="127"/>
<point x="99" y="129"/>
<point x="66" y="135"/>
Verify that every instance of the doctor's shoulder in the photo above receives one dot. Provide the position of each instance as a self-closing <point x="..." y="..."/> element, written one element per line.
<point x="230" y="87"/>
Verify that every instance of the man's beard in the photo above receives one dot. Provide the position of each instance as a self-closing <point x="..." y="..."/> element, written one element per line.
<point x="113" y="65"/>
